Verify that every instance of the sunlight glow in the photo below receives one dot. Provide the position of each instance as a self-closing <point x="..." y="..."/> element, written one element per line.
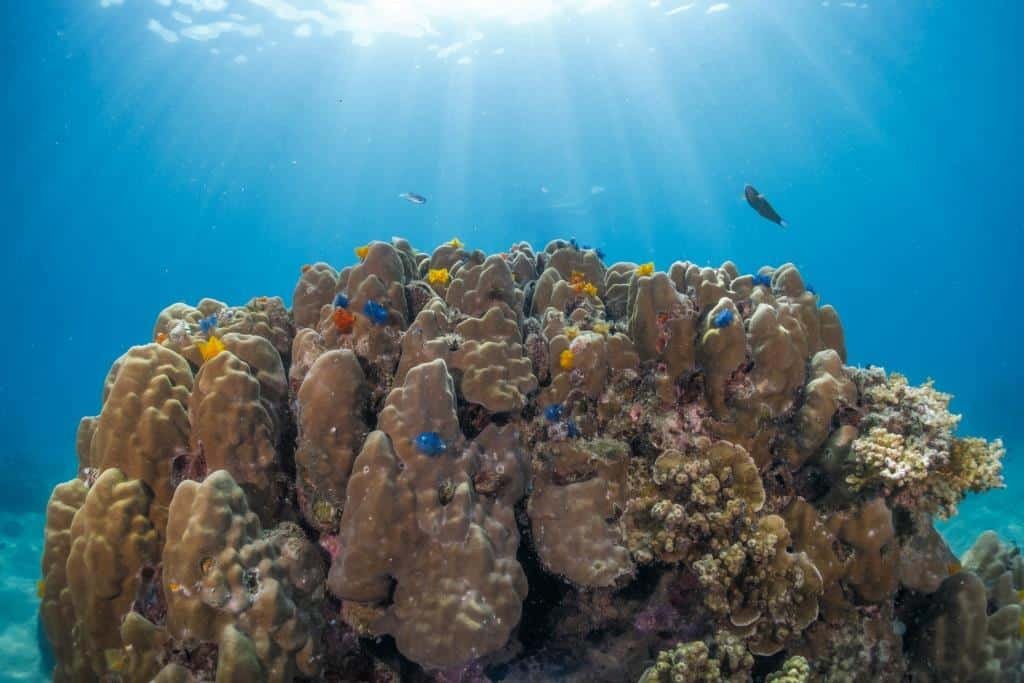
<point x="365" y="21"/>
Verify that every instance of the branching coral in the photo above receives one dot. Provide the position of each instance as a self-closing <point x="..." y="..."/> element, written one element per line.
<point x="684" y="504"/>
<point x="704" y="510"/>
<point x="769" y="594"/>
<point x="907" y="449"/>
<point x="795" y="670"/>
<point x="726" y="660"/>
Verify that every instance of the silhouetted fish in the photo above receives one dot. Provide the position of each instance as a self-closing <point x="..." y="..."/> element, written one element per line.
<point x="761" y="205"/>
<point x="413" y="197"/>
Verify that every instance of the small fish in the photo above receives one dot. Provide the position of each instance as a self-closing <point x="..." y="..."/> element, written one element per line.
<point x="40" y="588"/>
<point x="761" y="205"/>
<point x="413" y="197"/>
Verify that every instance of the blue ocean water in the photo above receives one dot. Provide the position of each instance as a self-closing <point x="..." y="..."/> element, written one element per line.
<point x="165" y="151"/>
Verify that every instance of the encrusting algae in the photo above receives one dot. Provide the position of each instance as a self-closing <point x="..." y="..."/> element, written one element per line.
<point x="427" y="444"/>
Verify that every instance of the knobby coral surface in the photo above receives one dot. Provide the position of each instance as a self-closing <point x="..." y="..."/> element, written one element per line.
<point x="530" y="465"/>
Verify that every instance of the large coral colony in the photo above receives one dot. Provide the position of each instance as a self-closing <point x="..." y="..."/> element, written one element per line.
<point x="524" y="466"/>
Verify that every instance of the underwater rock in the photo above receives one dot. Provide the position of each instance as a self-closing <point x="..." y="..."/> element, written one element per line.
<point x="521" y="466"/>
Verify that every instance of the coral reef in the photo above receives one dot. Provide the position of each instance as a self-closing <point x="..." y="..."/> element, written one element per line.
<point x="907" y="448"/>
<point x="695" y="662"/>
<point x="531" y="465"/>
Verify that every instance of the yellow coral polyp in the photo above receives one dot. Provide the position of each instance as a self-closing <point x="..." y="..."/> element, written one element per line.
<point x="571" y="332"/>
<point x="116" y="659"/>
<point x="580" y="285"/>
<point x="438" y="276"/>
<point x="601" y="328"/>
<point x="645" y="269"/>
<point x="456" y="243"/>
<point x="362" y="251"/>
<point x="210" y="348"/>
<point x="566" y="359"/>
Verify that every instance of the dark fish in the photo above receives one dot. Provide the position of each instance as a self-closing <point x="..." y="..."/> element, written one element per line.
<point x="761" y="205"/>
<point x="413" y="197"/>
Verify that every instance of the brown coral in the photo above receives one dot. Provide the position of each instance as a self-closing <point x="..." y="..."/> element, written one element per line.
<point x="579" y="491"/>
<point x="144" y="423"/>
<point x="56" y="610"/>
<point x="221" y="573"/>
<point x="111" y="540"/>
<point x="234" y="427"/>
<point x="332" y="404"/>
<point x="314" y="290"/>
<point x="686" y="448"/>
<point x="459" y="595"/>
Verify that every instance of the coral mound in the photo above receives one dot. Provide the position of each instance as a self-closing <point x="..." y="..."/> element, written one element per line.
<point x="521" y="466"/>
